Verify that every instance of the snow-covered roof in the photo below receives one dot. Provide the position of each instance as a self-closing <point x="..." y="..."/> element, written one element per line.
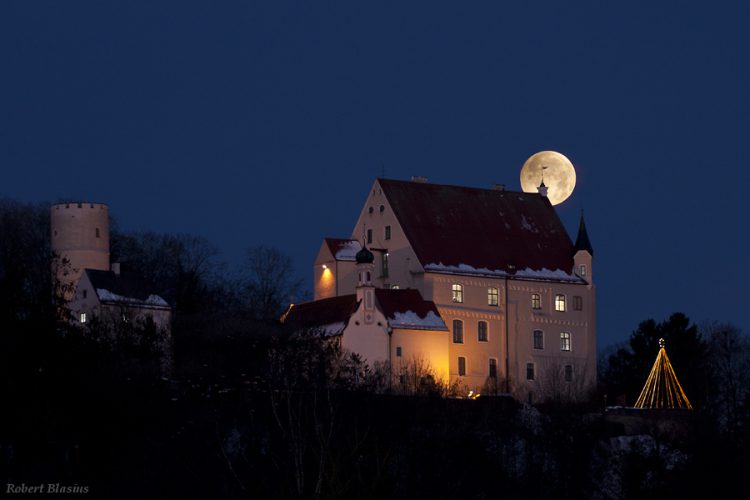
<point x="107" y="296"/>
<point x="126" y="289"/>
<point x="343" y="249"/>
<point x="413" y="321"/>
<point x="543" y="274"/>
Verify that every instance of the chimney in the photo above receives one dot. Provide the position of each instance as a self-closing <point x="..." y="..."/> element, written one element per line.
<point x="419" y="178"/>
<point x="115" y="267"/>
<point x="498" y="187"/>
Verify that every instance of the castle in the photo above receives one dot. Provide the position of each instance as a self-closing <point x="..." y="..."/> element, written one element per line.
<point x="483" y="285"/>
<point x="89" y="285"/>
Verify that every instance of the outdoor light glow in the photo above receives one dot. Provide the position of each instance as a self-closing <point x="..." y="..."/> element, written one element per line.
<point x="662" y="389"/>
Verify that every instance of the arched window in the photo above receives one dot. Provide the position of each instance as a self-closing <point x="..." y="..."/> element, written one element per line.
<point x="538" y="339"/>
<point x="457" y="293"/>
<point x="560" y="302"/>
<point x="482" y="331"/>
<point x="458" y="331"/>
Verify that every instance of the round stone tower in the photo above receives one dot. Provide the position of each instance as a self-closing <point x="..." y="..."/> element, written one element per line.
<point x="80" y="234"/>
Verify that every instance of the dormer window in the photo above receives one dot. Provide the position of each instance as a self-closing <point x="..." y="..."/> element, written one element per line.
<point x="457" y="293"/>
<point x="582" y="270"/>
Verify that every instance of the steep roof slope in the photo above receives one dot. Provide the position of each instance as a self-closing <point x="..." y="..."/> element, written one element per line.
<point x="481" y="228"/>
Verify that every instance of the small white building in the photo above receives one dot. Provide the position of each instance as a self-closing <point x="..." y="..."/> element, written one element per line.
<point x="112" y="296"/>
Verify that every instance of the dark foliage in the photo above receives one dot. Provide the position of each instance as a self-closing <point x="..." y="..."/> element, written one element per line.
<point x="626" y="370"/>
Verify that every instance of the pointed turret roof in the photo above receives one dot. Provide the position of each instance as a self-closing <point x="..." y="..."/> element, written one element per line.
<point x="582" y="242"/>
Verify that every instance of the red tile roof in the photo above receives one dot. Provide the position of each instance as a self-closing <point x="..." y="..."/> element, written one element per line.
<point x="481" y="228"/>
<point x="402" y="309"/>
<point x="321" y="312"/>
<point x="398" y="306"/>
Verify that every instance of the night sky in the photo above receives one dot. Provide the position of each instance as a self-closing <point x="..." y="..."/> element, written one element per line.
<point x="266" y="123"/>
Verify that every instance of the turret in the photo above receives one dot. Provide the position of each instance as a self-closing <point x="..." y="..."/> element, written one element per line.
<point x="365" y="289"/>
<point x="583" y="253"/>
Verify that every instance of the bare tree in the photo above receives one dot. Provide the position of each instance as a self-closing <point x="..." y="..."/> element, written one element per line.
<point x="268" y="282"/>
<point x="729" y="352"/>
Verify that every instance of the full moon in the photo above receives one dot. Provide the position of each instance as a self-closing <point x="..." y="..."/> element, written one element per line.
<point x="556" y="170"/>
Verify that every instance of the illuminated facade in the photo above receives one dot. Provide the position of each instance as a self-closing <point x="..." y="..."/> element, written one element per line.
<point x="515" y="294"/>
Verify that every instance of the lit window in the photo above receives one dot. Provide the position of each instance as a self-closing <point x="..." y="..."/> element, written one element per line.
<point x="538" y="339"/>
<point x="560" y="302"/>
<point x="385" y="264"/>
<point x="457" y="293"/>
<point x="369" y="236"/>
<point x="461" y="366"/>
<point x="83" y="317"/>
<point x="482" y="331"/>
<point x="536" y="301"/>
<point x="582" y="270"/>
<point x="458" y="331"/>
<point x="529" y="371"/>
<point x="493" y="368"/>
<point x="394" y="287"/>
<point x="568" y="373"/>
<point x="398" y="351"/>
<point x="387" y="232"/>
<point x="564" y="341"/>
<point x="492" y="296"/>
<point x="577" y="303"/>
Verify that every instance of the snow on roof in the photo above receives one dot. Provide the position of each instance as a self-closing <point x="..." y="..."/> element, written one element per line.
<point x="348" y="250"/>
<point x="107" y="296"/>
<point x="543" y="274"/>
<point x="343" y="249"/>
<point x="411" y="320"/>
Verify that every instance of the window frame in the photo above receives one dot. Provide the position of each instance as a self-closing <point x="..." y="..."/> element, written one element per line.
<point x="461" y="367"/>
<point x="83" y="318"/>
<point x="536" y="301"/>
<point x="387" y="233"/>
<point x="458" y="339"/>
<point x="534" y="338"/>
<point x="399" y="351"/>
<point x="493" y="296"/>
<point x="560" y="302"/>
<point x="530" y="370"/>
<point x="486" y="331"/>
<point x="385" y="267"/>
<point x="577" y="303"/>
<point x="490" y="367"/>
<point x="566" y="342"/>
<point x="457" y="293"/>
<point x="369" y="236"/>
<point x="568" y="373"/>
